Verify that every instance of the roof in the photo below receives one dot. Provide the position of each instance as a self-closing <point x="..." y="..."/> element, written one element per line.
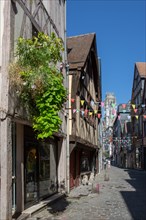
<point x="78" y="49"/>
<point x="141" y="67"/>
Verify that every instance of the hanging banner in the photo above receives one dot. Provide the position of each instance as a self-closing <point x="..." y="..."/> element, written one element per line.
<point x="98" y="115"/>
<point x="124" y="105"/>
<point x="144" y="116"/>
<point x="72" y="100"/>
<point x="86" y="111"/>
<point x="102" y="104"/>
<point x="82" y="102"/>
<point x="90" y="113"/>
<point x="135" y="110"/>
<point x="74" y="110"/>
<point x="92" y="103"/>
<point x="136" y="116"/>
<point x="82" y="112"/>
<point x="133" y="106"/>
<point x="128" y="116"/>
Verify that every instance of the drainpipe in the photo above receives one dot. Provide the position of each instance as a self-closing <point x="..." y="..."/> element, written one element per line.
<point x="67" y="109"/>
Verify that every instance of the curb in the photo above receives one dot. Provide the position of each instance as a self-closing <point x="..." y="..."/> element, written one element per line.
<point x="28" y="213"/>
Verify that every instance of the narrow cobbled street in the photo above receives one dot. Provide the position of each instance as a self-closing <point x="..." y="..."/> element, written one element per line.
<point x="121" y="196"/>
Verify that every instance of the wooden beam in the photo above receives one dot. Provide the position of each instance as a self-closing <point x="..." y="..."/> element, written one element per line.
<point x="51" y="21"/>
<point x="23" y="6"/>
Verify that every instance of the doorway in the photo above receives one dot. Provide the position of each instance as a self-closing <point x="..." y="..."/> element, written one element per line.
<point x="31" y="174"/>
<point x="40" y="168"/>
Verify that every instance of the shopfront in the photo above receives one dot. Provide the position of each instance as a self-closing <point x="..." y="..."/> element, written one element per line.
<point x="40" y="168"/>
<point x="82" y="162"/>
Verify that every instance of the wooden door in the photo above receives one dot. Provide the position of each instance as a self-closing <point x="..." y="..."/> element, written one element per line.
<point x="72" y="169"/>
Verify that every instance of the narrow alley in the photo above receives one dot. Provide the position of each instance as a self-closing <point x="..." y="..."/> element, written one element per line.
<point x="121" y="196"/>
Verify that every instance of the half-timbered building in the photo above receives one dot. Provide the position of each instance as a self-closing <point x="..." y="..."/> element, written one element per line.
<point x="84" y="107"/>
<point x="18" y="145"/>
<point x="137" y="113"/>
<point x="144" y="126"/>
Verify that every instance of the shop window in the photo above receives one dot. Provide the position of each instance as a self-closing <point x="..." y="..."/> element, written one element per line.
<point x="85" y="163"/>
<point x="44" y="162"/>
<point x="47" y="169"/>
<point x="40" y="168"/>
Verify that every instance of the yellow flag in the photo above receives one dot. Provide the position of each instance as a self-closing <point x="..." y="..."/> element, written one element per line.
<point x="82" y="102"/>
<point x="133" y="106"/>
<point x="95" y="111"/>
<point x="136" y="116"/>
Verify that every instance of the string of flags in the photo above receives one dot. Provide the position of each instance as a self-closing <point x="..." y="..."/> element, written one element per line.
<point x="101" y="104"/>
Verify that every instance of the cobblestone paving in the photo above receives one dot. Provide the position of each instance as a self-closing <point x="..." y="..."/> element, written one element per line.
<point x="122" y="197"/>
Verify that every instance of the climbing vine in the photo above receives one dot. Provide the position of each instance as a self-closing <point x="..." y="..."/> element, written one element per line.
<point x="38" y="82"/>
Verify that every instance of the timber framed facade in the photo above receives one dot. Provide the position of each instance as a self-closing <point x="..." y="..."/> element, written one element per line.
<point x="137" y="123"/>
<point x="84" y="99"/>
<point x="144" y="126"/>
<point x="30" y="170"/>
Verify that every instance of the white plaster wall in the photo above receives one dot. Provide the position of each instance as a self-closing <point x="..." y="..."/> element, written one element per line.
<point x="1" y="34"/>
<point x="62" y="162"/>
<point x="1" y="27"/>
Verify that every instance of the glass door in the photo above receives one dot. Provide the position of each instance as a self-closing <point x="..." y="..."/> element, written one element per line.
<point x="31" y="175"/>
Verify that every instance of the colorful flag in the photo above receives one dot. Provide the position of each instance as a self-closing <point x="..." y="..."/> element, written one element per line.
<point x="74" y="110"/>
<point x="102" y="104"/>
<point x="82" y="112"/>
<point x="98" y="115"/>
<point x="133" y="106"/>
<point x="82" y="102"/>
<point x="72" y="100"/>
<point x="86" y="111"/>
<point x="92" y="103"/>
<point x="124" y="105"/>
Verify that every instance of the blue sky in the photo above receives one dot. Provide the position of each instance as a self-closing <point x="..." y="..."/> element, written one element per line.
<point x="120" y="28"/>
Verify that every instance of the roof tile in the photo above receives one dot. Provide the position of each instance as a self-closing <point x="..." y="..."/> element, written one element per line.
<point x="78" y="49"/>
<point x="141" y="67"/>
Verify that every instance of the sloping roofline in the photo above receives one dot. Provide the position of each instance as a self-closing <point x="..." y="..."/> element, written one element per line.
<point x="141" y="67"/>
<point x="78" y="49"/>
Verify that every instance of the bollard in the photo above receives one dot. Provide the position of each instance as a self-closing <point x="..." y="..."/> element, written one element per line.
<point x="97" y="188"/>
<point x="106" y="177"/>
